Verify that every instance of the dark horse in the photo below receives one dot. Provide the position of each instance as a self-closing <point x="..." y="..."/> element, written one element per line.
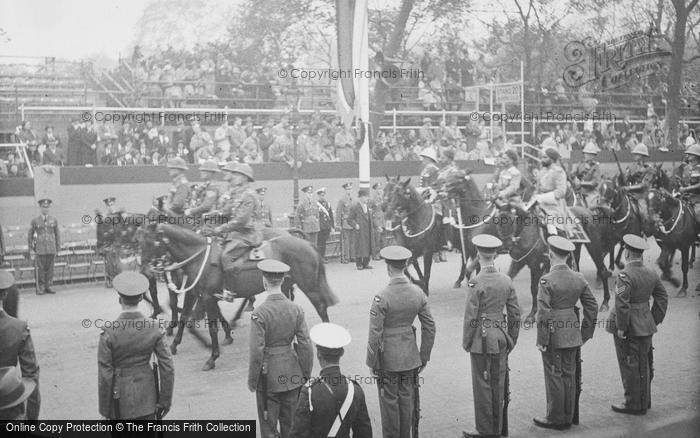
<point x="677" y="229"/>
<point x="200" y="262"/>
<point x="415" y="224"/>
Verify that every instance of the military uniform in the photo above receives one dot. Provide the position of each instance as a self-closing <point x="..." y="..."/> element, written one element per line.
<point x="278" y="367"/>
<point x="262" y="215"/>
<point x="589" y="176"/>
<point x="375" y="204"/>
<point x="307" y="216"/>
<point x="347" y="233"/>
<point x="561" y="332"/>
<point x="204" y="198"/>
<point x="237" y="226"/>
<point x="325" y="224"/>
<point x="45" y="240"/>
<point x="488" y="337"/>
<point x="634" y="286"/>
<point x="509" y="184"/>
<point x="691" y="177"/>
<point x="551" y="191"/>
<point x="16" y="346"/>
<point x="392" y="351"/>
<point x="107" y="229"/>
<point x="333" y="404"/>
<point x="178" y="197"/>
<point x="126" y="382"/>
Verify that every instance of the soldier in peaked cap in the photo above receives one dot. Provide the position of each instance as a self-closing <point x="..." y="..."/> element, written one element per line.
<point x="127" y="385"/>
<point x="206" y="195"/>
<point x="179" y="195"/>
<point x="489" y="337"/>
<point x="263" y="213"/>
<point x="331" y="405"/>
<point x="106" y="240"/>
<point x="307" y="214"/>
<point x="560" y="333"/>
<point x="281" y="356"/>
<point x="325" y="222"/>
<point x="633" y="324"/>
<point x="392" y="353"/>
<point x="44" y="241"/>
<point x="347" y="232"/>
<point x="16" y="346"/>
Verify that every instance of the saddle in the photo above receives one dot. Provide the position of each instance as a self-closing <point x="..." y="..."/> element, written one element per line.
<point x="239" y="262"/>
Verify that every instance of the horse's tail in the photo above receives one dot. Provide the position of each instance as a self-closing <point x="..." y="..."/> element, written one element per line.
<point x="11" y="301"/>
<point x="324" y="288"/>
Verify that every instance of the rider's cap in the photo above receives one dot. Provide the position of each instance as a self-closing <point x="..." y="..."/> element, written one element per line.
<point x="395" y="253"/>
<point x="307" y="189"/>
<point x="635" y="242"/>
<point x="376" y="186"/>
<point x="486" y="241"/>
<point x="641" y="149"/>
<point x="329" y="335"/>
<point x="177" y="163"/>
<point x="429" y="153"/>
<point x="552" y="153"/>
<point x="210" y="166"/>
<point x="272" y="266"/>
<point x="510" y="153"/>
<point x="261" y="190"/>
<point x="6" y="279"/>
<point x="130" y="283"/>
<point x="321" y="190"/>
<point x="560" y="243"/>
<point x="590" y="148"/>
<point x="45" y="202"/>
<point x="347" y="185"/>
<point x="109" y="200"/>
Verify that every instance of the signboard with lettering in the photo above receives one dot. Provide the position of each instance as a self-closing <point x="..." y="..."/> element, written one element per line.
<point x="508" y="94"/>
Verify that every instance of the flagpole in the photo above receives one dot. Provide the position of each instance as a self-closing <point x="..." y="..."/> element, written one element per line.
<point x="361" y="62"/>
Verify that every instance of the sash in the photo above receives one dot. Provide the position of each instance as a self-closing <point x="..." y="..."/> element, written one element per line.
<point x="343" y="410"/>
<point x="323" y="209"/>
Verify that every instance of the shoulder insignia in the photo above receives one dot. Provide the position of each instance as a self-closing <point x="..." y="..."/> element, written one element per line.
<point x="623" y="276"/>
<point x="102" y="331"/>
<point x="254" y="317"/>
<point x="373" y="313"/>
<point x="472" y="283"/>
<point x="311" y="382"/>
<point x="621" y="288"/>
<point x="543" y="281"/>
<point x="377" y="299"/>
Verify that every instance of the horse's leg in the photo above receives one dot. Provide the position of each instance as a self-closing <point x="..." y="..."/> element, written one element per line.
<point x="213" y="315"/>
<point x="187" y="305"/>
<point x="462" y="274"/>
<point x="238" y="313"/>
<point x="228" y="336"/>
<point x="685" y="253"/>
<point x="427" y="267"/>
<point x="618" y="260"/>
<point x="665" y="261"/>
<point x="174" y="312"/>
<point x="692" y="256"/>
<point x="535" y="275"/>
<point x="153" y="292"/>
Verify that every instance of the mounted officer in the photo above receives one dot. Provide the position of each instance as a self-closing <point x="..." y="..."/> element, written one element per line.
<point x="587" y="176"/>
<point x="428" y="173"/>
<point x="392" y="352"/>
<point x="206" y="195"/>
<point x="17" y="359"/>
<point x="560" y="332"/>
<point x="638" y="179"/>
<point x="236" y="210"/>
<point x="551" y="190"/>
<point x="179" y="194"/>
<point x="443" y="206"/>
<point x="507" y="185"/>
<point x="489" y="339"/>
<point x="690" y="178"/>
<point x="281" y="356"/>
<point x="332" y="405"/>
<point x="633" y="324"/>
<point x="130" y="386"/>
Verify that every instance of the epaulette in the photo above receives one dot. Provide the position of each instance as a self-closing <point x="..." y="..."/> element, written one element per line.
<point x="253" y="316"/>
<point x="472" y="283"/>
<point x="377" y="299"/>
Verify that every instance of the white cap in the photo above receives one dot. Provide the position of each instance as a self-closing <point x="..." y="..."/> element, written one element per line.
<point x="329" y="335"/>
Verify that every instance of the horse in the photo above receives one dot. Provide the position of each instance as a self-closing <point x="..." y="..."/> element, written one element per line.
<point x="415" y="224"/>
<point x="624" y="216"/>
<point x="677" y="229"/>
<point x="199" y="258"/>
<point x="479" y="217"/>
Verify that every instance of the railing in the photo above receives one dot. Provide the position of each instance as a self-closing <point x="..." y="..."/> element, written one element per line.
<point x="21" y="150"/>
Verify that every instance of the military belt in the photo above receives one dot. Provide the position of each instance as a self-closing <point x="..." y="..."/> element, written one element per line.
<point x="569" y="311"/>
<point x="281" y="349"/>
<point x="132" y="370"/>
<point x="493" y="316"/>
<point x="398" y="330"/>
<point x="643" y="305"/>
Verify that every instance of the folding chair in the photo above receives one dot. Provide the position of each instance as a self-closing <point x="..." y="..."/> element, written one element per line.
<point x="80" y="259"/>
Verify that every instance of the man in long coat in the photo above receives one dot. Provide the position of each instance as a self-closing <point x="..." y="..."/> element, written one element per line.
<point x="360" y="218"/>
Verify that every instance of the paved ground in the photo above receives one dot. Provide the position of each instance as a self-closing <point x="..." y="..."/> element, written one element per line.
<point x="67" y="355"/>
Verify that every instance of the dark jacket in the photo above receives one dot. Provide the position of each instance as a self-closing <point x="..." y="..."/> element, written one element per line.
<point x="16" y="346"/>
<point x="634" y="286"/>
<point x="44" y="236"/>
<point x="123" y="365"/>
<point x="363" y="240"/>
<point x="557" y="325"/>
<point x="320" y="402"/>
<point x="325" y="218"/>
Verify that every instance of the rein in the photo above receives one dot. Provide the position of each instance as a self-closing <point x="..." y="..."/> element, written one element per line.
<point x="662" y="227"/>
<point x="481" y="222"/>
<point x="627" y="215"/>
<point x="404" y="228"/>
<point x="541" y="239"/>
<point x="178" y="265"/>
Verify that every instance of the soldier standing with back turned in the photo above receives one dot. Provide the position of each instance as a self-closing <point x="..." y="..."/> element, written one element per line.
<point x="560" y="332"/>
<point x="127" y="385"/>
<point x="278" y="366"/>
<point x="633" y="324"/>
<point x="44" y="242"/>
<point x="488" y="338"/>
<point x="392" y="352"/>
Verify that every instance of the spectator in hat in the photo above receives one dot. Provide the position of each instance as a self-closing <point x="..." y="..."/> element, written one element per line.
<point x="126" y="382"/>
<point x="44" y="241"/>
<point x="307" y="214"/>
<point x="16" y="346"/>
<point x="328" y="153"/>
<point x="333" y="404"/>
<point x="360" y="218"/>
<point x="250" y="152"/>
<point x="427" y="132"/>
<point x="325" y="222"/>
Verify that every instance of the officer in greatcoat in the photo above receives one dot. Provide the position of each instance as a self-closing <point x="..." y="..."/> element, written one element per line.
<point x="633" y="323"/>
<point x="16" y="347"/>
<point x="392" y="352"/>
<point x="489" y="336"/>
<point x="127" y="385"/>
<point x="360" y="218"/>
<point x="332" y="405"/>
<point x="281" y="355"/>
<point x="307" y="214"/>
<point x="44" y="241"/>
<point x="560" y="332"/>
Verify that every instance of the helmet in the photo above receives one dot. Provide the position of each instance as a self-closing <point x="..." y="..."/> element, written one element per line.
<point x="177" y="163"/>
<point x="210" y="166"/>
<point x="429" y="153"/>
<point x="243" y="169"/>
<point x="641" y="149"/>
<point x="693" y="150"/>
<point x="590" y="148"/>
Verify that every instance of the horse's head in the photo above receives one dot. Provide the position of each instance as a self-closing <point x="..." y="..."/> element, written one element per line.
<point x="509" y="223"/>
<point x="387" y="192"/>
<point x="404" y="198"/>
<point x="152" y="243"/>
<point x="461" y="186"/>
<point x="610" y="193"/>
<point x="660" y="203"/>
<point x="660" y="179"/>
